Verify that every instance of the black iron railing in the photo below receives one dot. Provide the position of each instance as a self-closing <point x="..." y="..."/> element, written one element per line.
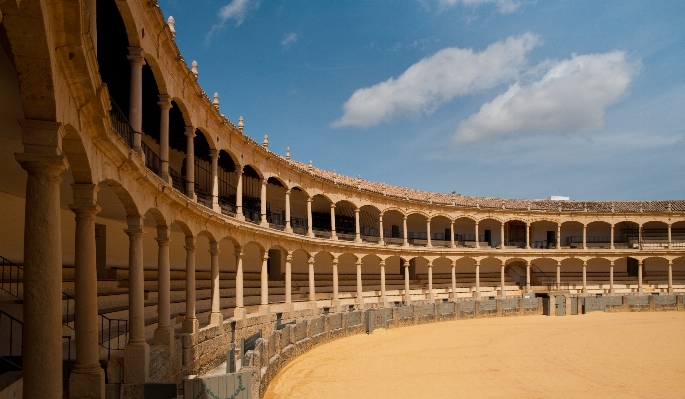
<point x="120" y="123"/>
<point x="178" y="181"/>
<point x="113" y="334"/>
<point x="152" y="161"/>
<point x="11" y="277"/>
<point x="11" y="340"/>
<point x="228" y="206"/>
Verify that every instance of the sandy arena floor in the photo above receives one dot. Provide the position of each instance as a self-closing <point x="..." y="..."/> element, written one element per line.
<point x="599" y="355"/>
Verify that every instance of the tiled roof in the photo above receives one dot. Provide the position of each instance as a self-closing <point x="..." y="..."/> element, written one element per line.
<point x="486" y="202"/>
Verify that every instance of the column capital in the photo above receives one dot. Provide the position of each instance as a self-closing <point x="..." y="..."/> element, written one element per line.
<point x="162" y="241"/>
<point x="190" y="131"/>
<point x="190" y="243"/>
<point x="288" y="191"/>
<point x="214" y="154"/>
<point x="334" y="261"/>
<point x="213" y="247"/>
<point x="136" y="56"/>
<point x="135" y="225"/>
<point x="332" y="205"/>
<point x="85" y="211"/>
<point x="311" y="260"/>
<point x="358" y="262"/>
<point x="43" y="166"/>
<point x="289" y="258"/>
<point x="382" y="263"/>
<point x="477" y="262"/>
<point x="164" y="101"/>
<point x="265" y="256"/>
<point x="310" y="199"/>
<point x="163" y="232"/>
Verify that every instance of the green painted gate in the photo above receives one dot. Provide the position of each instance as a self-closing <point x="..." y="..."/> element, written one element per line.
<point x="560" y="305"/>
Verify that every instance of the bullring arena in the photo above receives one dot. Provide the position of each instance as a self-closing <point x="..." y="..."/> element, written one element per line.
<point x="147" y="240"/>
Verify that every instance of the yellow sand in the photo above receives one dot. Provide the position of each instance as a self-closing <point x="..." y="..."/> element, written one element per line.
<point x="599" y="355"/>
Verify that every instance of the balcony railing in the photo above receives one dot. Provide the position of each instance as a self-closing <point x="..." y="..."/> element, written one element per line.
<point x="152" y="161"/>
<point x="120" y="123"/>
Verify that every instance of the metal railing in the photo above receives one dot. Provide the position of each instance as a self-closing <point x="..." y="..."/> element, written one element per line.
<point x="112" y="333"/>
<point x="11" y="351"/>
<point x="252" y="216"/>
<point x="120" y="123"/>
<point x="152" y="160"/>
<point x="178" y="181"/>
<point x="11" y="277"/>
<point x="228" y="206"/>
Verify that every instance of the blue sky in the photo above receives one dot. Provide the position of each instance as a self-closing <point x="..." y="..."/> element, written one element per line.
<point x="505" y="98"/>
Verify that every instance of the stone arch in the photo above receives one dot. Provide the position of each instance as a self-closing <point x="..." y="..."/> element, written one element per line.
<point x="160" y="76"/>
<point x="126" y="198"/>
<point x="183" y="226"/>
<point x="395" y="209"/>
<point x="159" y="217"/>
<point x="211" y="140"/>
<point x="78" y="156"/>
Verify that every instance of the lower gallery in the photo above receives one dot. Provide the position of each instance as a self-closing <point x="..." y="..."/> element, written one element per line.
<point x="146" y="239"/>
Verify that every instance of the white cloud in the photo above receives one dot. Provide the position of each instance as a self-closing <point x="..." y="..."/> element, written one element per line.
<point x="288" y="40"/>
<point x="571" y="97"/>
<point x="237" y="10"/>
<point x="436" y="80"/>
<point x="504" y="6"/>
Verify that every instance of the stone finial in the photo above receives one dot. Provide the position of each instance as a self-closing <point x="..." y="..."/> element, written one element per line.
<point x="172" y="25"/>
<point x="216" y="100"/>
<point x="287" y="153"/>
<point x="265" y="143"/>
<point x="241" y="126"/>
<point x="612" y="207"/>
<point x="334" y="172"/>
<point x="504" y="206"/>
<point x="430" y="198"/>
<point x="669" y="206"/>
<point x="584" y="207"/>
<point x="528" y="205"/>
<point x="193" y="67"/>
<point x="359" y="182"/>
<point x="478" y="204"/>
<point x="406" y="193"/>
<point x="385" y="189"/>
<point x="641" y="207"/>
<point x="311" y="165"/>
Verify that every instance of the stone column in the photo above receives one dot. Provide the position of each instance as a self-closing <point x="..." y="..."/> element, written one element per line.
<point x="190" y="163"/>
<point x="527" y="235"/>
<point x="454" y="279"/>
<point x="477" y="238"/>
<point x="384" y="298"/>
<point x="87" y="378"/>
<point x="164" y="334"/>
<point x="611" y="276"/>
<point x="264" y="222"/>
<point x="670" y="277"/>
<point x="559" y="235"/>
<point x="333" y="235"/>
<point x="137" y="351"/>
<point x="639" y="274"/>
<point x="584" y="277"/>
<point x="558" y="275"/>
<point x="358" y="237"/>
<point x="452" y="234"/>
<point x="264" y="306"/>
<point x="407" y="294"/>
<point x="669" y="236"/>
<point x="428" y="233"/>
<point x="42" y="333"/>
<point x="501" y="232"/>
<point x="611" y="239"/>
<point x="639" y="232"/>
<point x="584" y="236"/>
<point x="239" y="311"/>
<point x="336" y="299"/>
<point x="360" y="293"/>
<point x="136" y="58"/>
<point x="288" y="227"/>
<point x="312" y="285"/>
<point x="431" y="297"/>
<point x="502" y="287"/>
<point x="190" y="324"/>
<point x="381" y="241"/>
<point x="239" y="194"/>
<point x="288" y="278"/>
<point x="164" y="106"/>
<point x="478" y="279"/>
<point x="528" y="275"/>
<point x="406" y="234"/>
<point x="215" y="317"/>
<point x="214" y="154"/>
<point x="310" y="231"/>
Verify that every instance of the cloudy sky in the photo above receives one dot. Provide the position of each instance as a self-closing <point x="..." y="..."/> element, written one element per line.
<point x="506" y="98"/>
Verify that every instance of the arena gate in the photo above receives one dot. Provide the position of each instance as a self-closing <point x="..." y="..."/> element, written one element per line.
<point x="446" y="308"/>
<point x="228" y="386"/>
<point x="560" y="305"/>
<point x="405" y="312"/>
<point x="593" y="304"/>
<point x="375" y="319"/>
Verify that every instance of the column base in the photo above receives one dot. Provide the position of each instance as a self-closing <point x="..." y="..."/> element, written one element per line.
<point x="190" y="326"/>
<point x="264" y="223"/>
<point x="216" y="319"/>
<point x="264" y="309"/>
<point x="239" y="216"/>
<point x="87" y="384"/>
<point x="167" y="179"/>
<point x="239" y="313"/>
<point x="136" y="363"/>
<point x="381" y="242"/>
<point x="216" y="208"/>
<point x="335" y="305"/>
